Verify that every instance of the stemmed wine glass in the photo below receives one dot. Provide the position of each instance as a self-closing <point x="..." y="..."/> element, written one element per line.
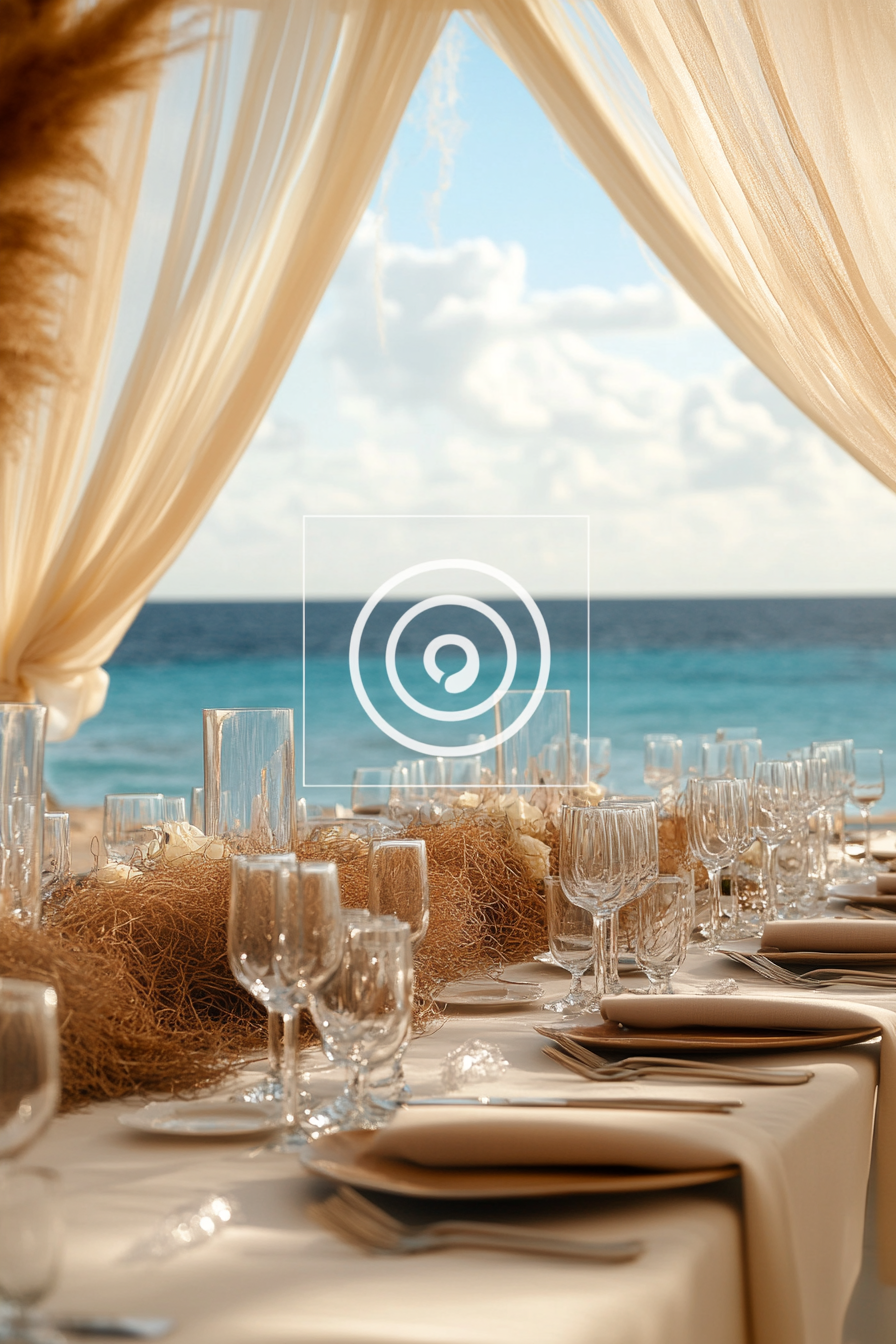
<point x="867" y="787"/>
<point x="838" y="752"/>
<point x="717" y="821"/>
<point x="641" y="869"/>
<point x="363" y="1013"/>
<point x="29" y="1062"/>
<point x="571" y="940"/>
<point x="775" y="797"/>
<point x="284" y="938"/>
<point x="398" y="884"/>
<point x="596" y="861"/>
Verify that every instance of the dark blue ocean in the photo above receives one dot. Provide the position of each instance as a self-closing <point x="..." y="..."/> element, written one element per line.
<point x="796" y="668"/>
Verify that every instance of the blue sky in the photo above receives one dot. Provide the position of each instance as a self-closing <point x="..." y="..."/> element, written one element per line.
<point x="535" y="358"/>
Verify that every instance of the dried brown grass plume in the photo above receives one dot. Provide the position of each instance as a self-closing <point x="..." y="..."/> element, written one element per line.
<point x="60" y="64"/>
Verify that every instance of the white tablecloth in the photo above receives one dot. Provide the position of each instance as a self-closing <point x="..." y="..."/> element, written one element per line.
<point x="277" y="1277"/>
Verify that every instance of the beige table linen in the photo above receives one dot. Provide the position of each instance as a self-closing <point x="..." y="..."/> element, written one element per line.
<point x="804" y="1236"/>
<point x="276" y="1278"/>
<point x="828" y="935"/>
<point x="885" y="883"/>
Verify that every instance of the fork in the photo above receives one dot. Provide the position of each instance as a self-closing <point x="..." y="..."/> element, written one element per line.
<point x="362" y="1223"/>
<point x="595" y="1068"/>
<point x="818" y="978"/>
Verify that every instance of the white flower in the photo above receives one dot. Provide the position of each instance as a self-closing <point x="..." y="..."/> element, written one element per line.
<point x="590" y="794"/>
<point x="117" y="874"/>
<point x="536" y="854"/>
<point x="182" y="841"/>
<point x="467" y="800"/>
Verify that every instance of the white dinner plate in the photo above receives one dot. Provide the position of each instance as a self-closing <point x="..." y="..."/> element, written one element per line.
<point x="203" y="1119"/>
<point x="489" y="994"/>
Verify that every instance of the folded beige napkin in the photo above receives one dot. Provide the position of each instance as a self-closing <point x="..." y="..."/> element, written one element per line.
<point x="828" y="935"/>
<point x="760" y="1179"/>
<point x="886" y="884"/>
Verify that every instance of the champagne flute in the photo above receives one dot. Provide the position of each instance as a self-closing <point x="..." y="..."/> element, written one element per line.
<point x="772" y="807"/>
<point x="838" y="754"/>
<point x="640" y="814"/>
<point x="716" y="812"/>
<point x="867" y="787"/>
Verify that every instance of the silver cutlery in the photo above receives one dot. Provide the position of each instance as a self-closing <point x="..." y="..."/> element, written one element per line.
<point x="645" y="1066"/>
<point x="359" y="1221"/>
<point x="814" y="979"/>
<point x="581" y="1103"/>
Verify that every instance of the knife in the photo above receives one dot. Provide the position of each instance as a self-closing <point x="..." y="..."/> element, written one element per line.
<point x="581" y="1103"/>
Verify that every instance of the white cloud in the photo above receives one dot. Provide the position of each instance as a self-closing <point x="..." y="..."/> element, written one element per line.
<point x="485" y="397"/>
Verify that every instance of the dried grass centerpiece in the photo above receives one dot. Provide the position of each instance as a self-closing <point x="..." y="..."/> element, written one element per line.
<point x="147" y="999"/>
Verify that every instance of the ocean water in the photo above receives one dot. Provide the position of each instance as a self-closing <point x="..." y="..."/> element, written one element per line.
<point x="797" y="669"/>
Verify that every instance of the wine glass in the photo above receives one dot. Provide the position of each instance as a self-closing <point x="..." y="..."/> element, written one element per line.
<point x="197" y="807"/>
<point x="838" y="753"/>
<point x="717" y="821"/>
<point x="363" y="1013"/>
<point x="284" y="938"/>
<point x="663" y="766"/>
<point x="664" y="926"/>
<point x="774" y="798"/>
<point x="398" y="884"/>
<point x="29" y="1062"/>
<point x="31" y="1236"/>
<point x="867" y="787"/>
<point x="571" y="940"/>
<point x="639" y="814"/>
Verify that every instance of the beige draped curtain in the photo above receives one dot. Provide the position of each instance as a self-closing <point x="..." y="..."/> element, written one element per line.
<point x="760" y="172"/>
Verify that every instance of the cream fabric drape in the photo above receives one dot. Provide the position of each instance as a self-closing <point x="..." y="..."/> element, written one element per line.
<point x="782" y="119"/>
<point x="247" y="262"/>
<point x="773" y="209"/>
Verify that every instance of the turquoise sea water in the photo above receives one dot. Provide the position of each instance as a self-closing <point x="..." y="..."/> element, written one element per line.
<point x="797" y="669"/>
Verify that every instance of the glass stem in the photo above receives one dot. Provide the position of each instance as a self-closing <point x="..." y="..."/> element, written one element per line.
<point x="865" y="811"/>
<point x="275" y="1048"/>
<point x="600" y="956"/>
<point x="357" y="1088"/>
<point x="715" y="907"/>
<point x="771" y="880"/>
<point x="612" y="972"/>
<point x="575" y="985"/>
<point x="290" y="1069"/>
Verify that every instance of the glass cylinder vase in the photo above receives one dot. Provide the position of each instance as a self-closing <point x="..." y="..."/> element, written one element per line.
<point x="22" y="734"/>
<point x="250" y="778"/>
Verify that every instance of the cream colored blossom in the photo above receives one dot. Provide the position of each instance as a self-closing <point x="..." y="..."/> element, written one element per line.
<point x="467" y="801"/>
<point x="183" y="841"/>
<point x="590" y="794"/>
<point x="117" y="874"/>
<point x="536" y="854"/>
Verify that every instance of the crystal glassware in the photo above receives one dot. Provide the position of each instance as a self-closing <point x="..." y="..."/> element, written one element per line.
<point x="363" y="1013"/>
<point x="131" y="825"/>
<point x="197" y="808"/>
<point x="867" y="787"/>
<point x="371" y="785"/>
<point x="56" y="864"/>
<point x="838" y="752"/>
<point x="29" y="1062"/>
<point x="175" y="809"/>
<point x="663" y="767"/>
<point x="641" y="816"/>
<point x="664" y="926"/>
<point x="22" y="734"/>
<point x="250" y="786"/>
<point x="571" y="940"/>
<point x="774" y="799"/>
<point x="31" y="1235"/>
<point x="538" y="752"/>
<point x="284" y="938"/>
<point x="398" y="884"/>
<point x="717" y="821"/>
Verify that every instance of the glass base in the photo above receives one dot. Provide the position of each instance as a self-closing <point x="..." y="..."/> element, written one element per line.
<point x="572" y="1003"/>
<point x="345" y="1114"/>
<point x="28" y="1328"/>
<point x="268" y="1088"/>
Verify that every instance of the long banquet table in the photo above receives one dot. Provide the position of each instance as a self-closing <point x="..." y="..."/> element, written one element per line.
<point x="274" y="1275"/>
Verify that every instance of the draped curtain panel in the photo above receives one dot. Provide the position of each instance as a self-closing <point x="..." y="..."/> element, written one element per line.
<point x="749" y="142"/>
